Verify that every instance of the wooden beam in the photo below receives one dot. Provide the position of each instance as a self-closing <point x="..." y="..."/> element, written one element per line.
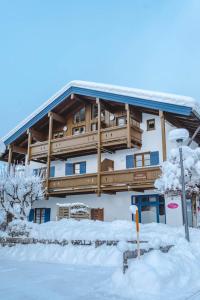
<point x="99" y="149"/>
<point x="10" y="152"/>
<point x="163" y="132"/>
<point x="19" y="150"/>
<point x="193" y="136"/>
<point x="36" y="135"/>
<point x="29" y="144"/>
<point x="127" y="106"/>
<point x="49" y="150"/>
<point x="58" y="118"/>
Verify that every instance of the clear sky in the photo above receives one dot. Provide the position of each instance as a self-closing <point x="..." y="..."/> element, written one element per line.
<point x="149" y="44"/>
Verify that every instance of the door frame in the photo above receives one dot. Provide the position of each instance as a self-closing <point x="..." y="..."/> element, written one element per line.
<point x="146" y="203"/>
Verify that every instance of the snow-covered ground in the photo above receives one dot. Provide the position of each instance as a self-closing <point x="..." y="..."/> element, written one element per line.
<point x="174" y="275"/>
<point x="45" y="281"/>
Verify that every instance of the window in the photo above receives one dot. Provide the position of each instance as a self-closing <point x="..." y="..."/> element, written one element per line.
<point x="94" y="126"/>
<point x="79" y="116"/>
<point x="77" y="168"/>
<point x="121" y="121"/>
<point x="78" y="130"/>
<point x="39" y="215"/>
<point x="142" y="160"/>
<point x="94" y="111"/>
<point x="58" y="134"/>
<point x="151" y="125"/>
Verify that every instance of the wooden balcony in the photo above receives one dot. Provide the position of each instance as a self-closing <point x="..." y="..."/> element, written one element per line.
<point x="112" y="181"/>
<point x="112" y="138"/>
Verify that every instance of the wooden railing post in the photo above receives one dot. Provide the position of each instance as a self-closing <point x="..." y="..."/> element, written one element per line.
<point x="50" y="115"/>
<point x="164" y="147"/>
<point x="128" y="116"/>
<point x="10" y="152"/>
<point x="29" y="144"/>
<point x="99" y="149"/>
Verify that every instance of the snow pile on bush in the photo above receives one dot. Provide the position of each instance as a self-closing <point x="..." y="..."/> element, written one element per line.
<point x="19" y="189"/>
<point x="171" y="171"/>
<point x="156" y="275"/>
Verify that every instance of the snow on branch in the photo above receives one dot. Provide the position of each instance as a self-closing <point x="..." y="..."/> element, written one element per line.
<point x="19" y="189"/>
<point x="170" y="179"/>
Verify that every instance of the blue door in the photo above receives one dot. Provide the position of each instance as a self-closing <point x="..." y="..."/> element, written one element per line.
<point x="150" y="207"/>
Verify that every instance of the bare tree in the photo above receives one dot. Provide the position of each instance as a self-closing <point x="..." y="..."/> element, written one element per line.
<point x="19" y="189"/>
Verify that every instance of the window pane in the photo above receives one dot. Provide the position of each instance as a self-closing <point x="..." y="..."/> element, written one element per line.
<point x="77" y="168"/>
<point x="121" y="121"/>
<point x="82" y="114"/>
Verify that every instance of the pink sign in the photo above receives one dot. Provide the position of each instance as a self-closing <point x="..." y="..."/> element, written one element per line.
<point x="172" y="205"/>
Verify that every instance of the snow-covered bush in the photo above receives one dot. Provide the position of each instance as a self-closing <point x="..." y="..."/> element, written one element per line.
<point x="170" y="179"/>
<point x="18" y="228"/>
<point x="19" y="189"/>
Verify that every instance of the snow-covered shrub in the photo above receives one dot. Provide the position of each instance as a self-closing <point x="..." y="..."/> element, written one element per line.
<point x="170" y="179"/>
<point x="18" y="228"/>
<point x="19" y="189"/>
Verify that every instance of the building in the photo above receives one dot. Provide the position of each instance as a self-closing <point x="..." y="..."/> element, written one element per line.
<point x="101" y="145"/>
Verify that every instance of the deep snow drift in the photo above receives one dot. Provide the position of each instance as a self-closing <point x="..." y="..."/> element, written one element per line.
<point x="174" y="275"/>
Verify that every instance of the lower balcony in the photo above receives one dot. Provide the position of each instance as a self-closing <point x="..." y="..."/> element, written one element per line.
<point x="113" y="138"/>
<point x="111" y="181"/>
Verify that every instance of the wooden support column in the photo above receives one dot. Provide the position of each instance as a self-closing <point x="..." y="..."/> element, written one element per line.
<point x="10" y="157"/>
<point x="164" y="147"/>
<point x="128" y="115"/>
<point x="99" y="150"/>
<point x="29" y="144"/>
<point x="50" y="115"/>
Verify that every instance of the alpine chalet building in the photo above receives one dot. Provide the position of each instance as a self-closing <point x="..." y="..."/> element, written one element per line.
<point x="101" y="145"/>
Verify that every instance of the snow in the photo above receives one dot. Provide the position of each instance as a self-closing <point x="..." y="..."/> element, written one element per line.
<point x="156" y="275"/>
<point x="178" y="134"/>
<point x="45" y="281"/>
<point x="125" y="91"/>
<point x="170" y="179"/>
<point x="2" y="148"/>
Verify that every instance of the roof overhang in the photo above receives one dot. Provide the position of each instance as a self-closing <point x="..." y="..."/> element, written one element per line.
<point x="175" y="104"/>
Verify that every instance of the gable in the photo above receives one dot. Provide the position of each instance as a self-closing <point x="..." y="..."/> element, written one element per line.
<point x="158" y="101"/>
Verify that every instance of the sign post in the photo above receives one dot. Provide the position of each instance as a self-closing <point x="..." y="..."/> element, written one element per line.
<point x="134" y="210"/>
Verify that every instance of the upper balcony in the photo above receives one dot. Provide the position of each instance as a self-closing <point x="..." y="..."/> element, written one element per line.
<point x="112" y="138"/>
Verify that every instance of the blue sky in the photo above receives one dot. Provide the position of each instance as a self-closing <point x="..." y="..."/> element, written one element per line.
<point x="149" y="44"/>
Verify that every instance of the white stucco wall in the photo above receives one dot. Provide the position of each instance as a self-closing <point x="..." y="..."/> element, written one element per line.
<point x="116" y="207"/>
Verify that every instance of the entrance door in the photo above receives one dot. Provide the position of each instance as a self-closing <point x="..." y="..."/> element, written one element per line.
<point x="150" y="207"/>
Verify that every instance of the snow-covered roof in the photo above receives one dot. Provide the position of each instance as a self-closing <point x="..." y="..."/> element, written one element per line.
<point x="99" y="89"/>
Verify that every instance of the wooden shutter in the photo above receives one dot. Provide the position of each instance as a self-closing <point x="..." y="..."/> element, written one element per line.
<point x="52" y="171"/>
<point x="154" y="158"/>
<point x="47" y="214"/>
<point x="31" y="215"/>
<point x="69" y="169"/>
<point x="97" y="214"/>
<point x="129" y="161"/>
<point x="83" y="167"/>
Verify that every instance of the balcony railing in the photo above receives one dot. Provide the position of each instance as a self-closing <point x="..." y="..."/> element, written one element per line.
<point x="112" y="181"/>
<point x="110" y="137"/>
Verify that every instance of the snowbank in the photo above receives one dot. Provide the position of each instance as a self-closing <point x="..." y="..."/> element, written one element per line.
<point x="70" y="229"/>
<point x="173" y="275"/>
<point x="156" y="275"/>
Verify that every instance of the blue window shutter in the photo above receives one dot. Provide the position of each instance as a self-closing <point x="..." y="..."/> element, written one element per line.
<point x="154" y="158"/>
<point x="83" y="167"/>
<point x="69" y="169"/>
<point x="31" y="215"/>
<point x="129" y="161"/>
<point x="52" y="171"/>
<point x="47" y="214"/>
